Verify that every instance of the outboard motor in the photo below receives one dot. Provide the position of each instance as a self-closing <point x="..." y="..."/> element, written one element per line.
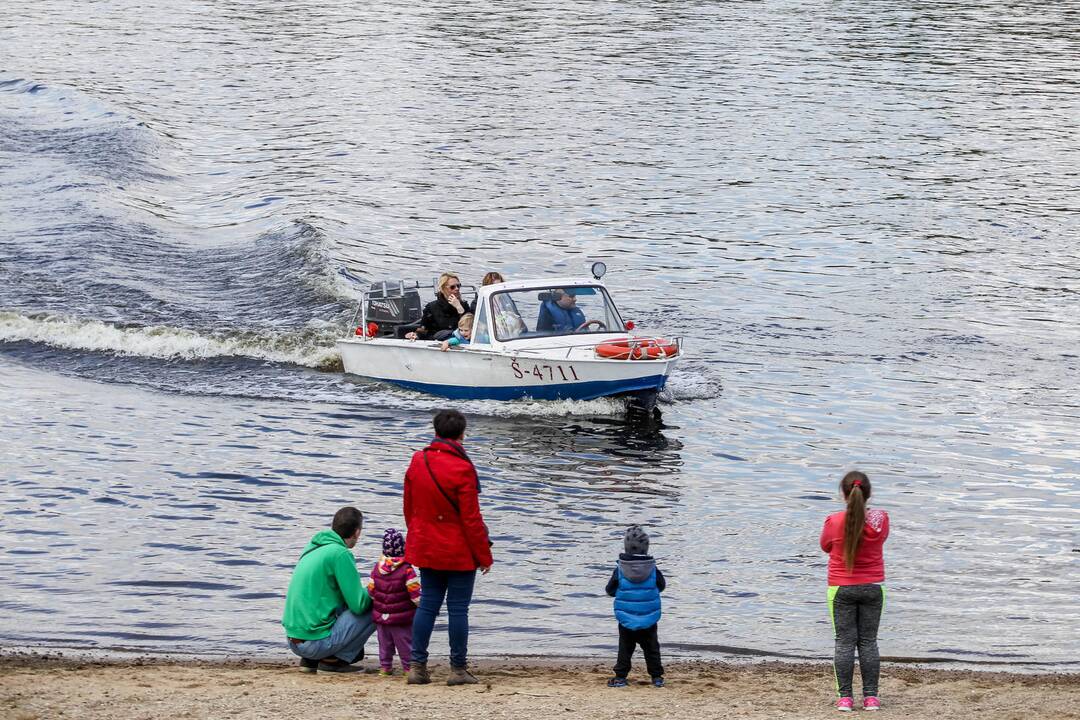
<point x="391" y="303"/>
<point x="641" y="410"/>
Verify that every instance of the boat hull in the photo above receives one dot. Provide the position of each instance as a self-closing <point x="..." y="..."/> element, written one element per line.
<point x="470" y="374"/>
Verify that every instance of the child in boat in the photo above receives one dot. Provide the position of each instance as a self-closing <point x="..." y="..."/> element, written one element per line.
<point x="636" y="584"/>
<point x="394" y="588"/>
<point x="461" y="335"/>
<point x="854" y="539"/>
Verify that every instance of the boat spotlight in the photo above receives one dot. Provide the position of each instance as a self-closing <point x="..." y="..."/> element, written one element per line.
<point x="598" y="270"/>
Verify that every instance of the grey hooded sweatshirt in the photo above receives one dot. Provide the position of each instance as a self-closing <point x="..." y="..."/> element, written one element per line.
<point x="635" y="568"/>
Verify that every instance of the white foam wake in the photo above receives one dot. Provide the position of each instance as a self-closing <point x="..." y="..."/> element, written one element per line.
<point x="550" y="408"/>
<point x="688" y="384"/>
<point x="311" y="348"/>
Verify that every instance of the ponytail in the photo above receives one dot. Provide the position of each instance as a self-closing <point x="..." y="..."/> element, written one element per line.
<point x="856" y="489"/>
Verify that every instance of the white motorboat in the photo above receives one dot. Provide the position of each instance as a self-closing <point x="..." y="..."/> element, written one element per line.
<point x="522" y="345"/>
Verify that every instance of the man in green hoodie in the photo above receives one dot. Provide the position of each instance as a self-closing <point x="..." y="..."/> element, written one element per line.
<point x="327" y="609"/>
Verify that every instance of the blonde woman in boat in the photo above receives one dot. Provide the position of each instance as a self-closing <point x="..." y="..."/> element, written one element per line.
<point x="442" y="313"/>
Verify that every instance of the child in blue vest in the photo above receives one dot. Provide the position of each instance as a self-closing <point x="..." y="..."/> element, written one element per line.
<point x="636" y="584"/>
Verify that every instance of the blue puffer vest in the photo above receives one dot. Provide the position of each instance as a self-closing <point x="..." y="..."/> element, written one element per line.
<point x="637" y="604"/>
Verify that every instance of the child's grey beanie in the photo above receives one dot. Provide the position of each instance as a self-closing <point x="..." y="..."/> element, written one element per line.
<point x="636" y="541"/>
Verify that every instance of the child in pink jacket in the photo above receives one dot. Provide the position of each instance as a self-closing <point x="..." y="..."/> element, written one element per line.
<point x="854" y="538"/>
<point x="395" y="592"/>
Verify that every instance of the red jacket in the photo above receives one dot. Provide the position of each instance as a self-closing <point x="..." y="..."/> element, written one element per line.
<point x="440" y="537"/>
<point x="869" y="558"/>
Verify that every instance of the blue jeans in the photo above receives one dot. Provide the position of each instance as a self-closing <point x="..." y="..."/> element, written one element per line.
<point x="457" y="587"/>
<point x="345" y="641"/>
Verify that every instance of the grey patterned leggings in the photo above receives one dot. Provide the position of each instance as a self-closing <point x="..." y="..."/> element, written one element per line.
<point x="856" y="612"/>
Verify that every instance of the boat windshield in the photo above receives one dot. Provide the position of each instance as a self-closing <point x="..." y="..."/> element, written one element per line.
<point x="563" y="310"/>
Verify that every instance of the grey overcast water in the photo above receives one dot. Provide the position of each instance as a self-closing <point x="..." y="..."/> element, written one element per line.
<point x="862" y="217"/>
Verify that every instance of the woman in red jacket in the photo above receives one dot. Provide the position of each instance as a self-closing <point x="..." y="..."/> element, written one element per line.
<point x="854" y="539"/>
<point x="448" y="541"/>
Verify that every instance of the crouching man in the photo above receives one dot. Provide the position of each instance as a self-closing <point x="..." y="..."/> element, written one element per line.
<point x="327" y="609"/>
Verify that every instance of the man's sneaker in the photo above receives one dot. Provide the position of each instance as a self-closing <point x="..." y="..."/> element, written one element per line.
<point x="338" y="666"/>
<point x="617" y="682"/>
<point x="309" y="666"/>
<point x="871" y="703"/>
<point x="845" y="704"/>
<point x="658" y="682"/>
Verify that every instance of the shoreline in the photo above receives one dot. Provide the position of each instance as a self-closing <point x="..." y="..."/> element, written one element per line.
<point x="735" y="657"/>
<point x="35" y="685"/>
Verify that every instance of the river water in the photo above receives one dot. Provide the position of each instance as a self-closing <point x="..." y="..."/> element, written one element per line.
<point x="862" y="218"/>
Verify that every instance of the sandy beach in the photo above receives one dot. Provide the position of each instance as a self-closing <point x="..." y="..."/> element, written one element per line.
<point x="35" y="687"/>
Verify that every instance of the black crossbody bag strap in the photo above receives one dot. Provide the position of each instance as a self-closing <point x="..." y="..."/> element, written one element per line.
<point x="436" y="481"/>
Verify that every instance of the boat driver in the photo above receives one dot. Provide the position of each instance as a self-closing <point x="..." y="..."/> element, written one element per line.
<point x="561" y="314"/>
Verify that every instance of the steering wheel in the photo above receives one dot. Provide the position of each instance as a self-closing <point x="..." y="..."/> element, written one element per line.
<point x="598" y="323"/>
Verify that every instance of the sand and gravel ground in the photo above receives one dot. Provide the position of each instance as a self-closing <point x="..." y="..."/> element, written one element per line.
<point x="34" y="687"/>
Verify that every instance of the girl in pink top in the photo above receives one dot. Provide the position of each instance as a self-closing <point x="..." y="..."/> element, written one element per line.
<point x="854" y="539"/>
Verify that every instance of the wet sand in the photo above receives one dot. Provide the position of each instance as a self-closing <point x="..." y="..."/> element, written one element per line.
<point x="35" y="687"/>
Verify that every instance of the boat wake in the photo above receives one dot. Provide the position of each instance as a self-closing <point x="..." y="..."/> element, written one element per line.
<point x="601" y="407"/>
<point x="690" y="383"/>
<point x="311" y="347"/>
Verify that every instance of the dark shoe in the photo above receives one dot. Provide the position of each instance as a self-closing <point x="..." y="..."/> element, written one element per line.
<point x="418" y="674"/>
<point x="338" y="666"/>
<point x="617" y="682"/>
<point x="658" y="682"/>
<point x="309" y="666"/>
<point x="461" y="676"/>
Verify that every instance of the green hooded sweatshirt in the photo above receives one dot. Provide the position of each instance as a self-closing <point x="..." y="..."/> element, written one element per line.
<point x="324" y="579"/>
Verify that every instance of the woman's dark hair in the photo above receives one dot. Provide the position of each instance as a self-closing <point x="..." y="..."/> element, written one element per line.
<point x="449" y="424"/>
<point x="347" y="521"/>
<point x="856" y="489"/>
<point x="491" y="278"/>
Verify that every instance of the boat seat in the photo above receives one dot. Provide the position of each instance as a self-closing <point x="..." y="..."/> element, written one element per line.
<point x="400" y="331"/>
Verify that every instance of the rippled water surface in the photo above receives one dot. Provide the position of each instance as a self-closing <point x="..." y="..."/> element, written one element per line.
<point x="864" y="219"/>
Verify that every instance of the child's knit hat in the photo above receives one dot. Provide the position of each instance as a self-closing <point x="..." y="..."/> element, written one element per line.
<point x="636" y="541"/>
<point x="393" y="543"/>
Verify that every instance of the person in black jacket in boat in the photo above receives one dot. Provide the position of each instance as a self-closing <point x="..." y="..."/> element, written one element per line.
<point x="442" y="313"/>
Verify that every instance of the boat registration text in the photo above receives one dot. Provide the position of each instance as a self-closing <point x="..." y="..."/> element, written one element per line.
<point x="546" y="373"/>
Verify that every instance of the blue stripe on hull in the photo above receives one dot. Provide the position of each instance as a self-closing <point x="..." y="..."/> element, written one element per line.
<point x="567" y="391"/>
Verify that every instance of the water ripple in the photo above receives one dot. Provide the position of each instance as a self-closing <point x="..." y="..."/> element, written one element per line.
<point x="861" y="217"/>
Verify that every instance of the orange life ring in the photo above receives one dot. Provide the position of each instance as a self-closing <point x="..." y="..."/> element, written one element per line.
<point x="644" y="349"/>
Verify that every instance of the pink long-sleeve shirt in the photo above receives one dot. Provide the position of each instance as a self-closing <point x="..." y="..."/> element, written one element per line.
<point x="869" y="558"/>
